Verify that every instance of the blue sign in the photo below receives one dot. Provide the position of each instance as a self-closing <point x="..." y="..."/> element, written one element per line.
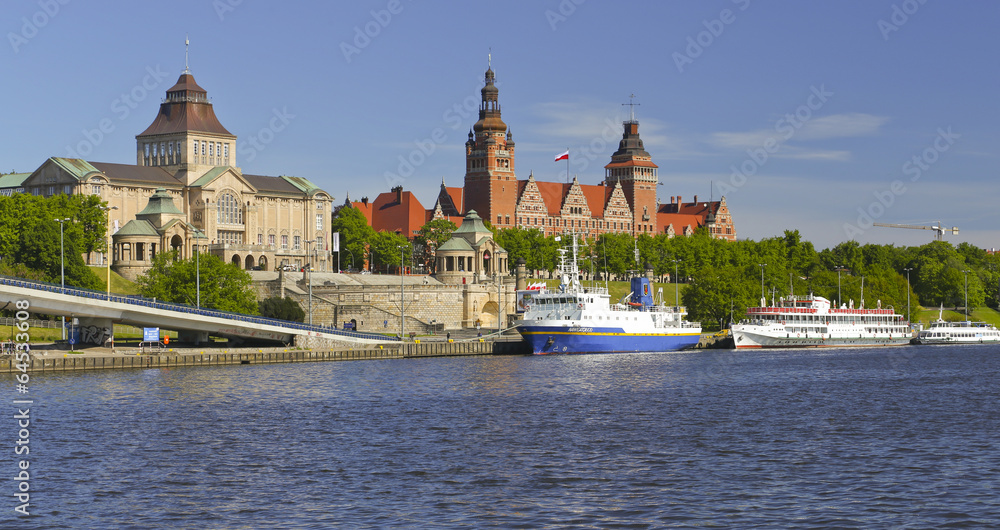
<point x="151" y="334"/>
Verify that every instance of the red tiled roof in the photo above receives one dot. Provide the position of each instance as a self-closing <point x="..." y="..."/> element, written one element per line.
<point x="552" y="194"/>
<point x="597" y="198"/>
<point x="679" y="220"/>
<point x="457" y="194"/>
<point x="365" y="208"/>
<point x="401" y="213"/>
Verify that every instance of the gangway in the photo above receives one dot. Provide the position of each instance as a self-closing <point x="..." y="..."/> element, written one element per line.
<point x="51" y="299"/>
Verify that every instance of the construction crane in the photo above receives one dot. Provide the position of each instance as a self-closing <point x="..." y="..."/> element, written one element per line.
<point x="938" y="229"/>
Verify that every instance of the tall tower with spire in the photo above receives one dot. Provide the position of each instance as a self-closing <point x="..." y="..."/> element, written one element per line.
<point x="186" y="135"/>
<point x="490" y="183"/>
<point x="633" y="168"/>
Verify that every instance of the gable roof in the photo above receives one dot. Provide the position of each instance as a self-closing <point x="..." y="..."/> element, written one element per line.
<point x="13" y="180"/>
<point x="272" y="184"/>
<point x="133" y="173"/>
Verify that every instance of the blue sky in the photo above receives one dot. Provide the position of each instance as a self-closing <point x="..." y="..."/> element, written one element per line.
<point x="833" y="114"/>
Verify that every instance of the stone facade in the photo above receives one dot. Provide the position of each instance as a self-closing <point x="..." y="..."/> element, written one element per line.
<point x="187" y="155"/>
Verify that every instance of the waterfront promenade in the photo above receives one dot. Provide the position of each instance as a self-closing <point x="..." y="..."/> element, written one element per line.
<point x="49" y="358"/>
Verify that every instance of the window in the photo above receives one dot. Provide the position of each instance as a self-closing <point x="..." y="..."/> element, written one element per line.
<point x="270" y="239"/>
<point x="319" y="221"/>
<point x="146" y="145"/>
<point x="52" y="190"/>
<point x="229" y="209"/>
<point x="298" y="243"/>
<point x="203" y="148"/>
<point x="260" y="239"/>
<point x="154" y="151"/>
<point x="67" y="189"/>
<point x="211" y="149"/>
<point x="284" y="241"/>
<point x="319" y="243"/>
<point x="97" y="189"/>
<point x="196" y="148"/>
<point x="225" y="150"/>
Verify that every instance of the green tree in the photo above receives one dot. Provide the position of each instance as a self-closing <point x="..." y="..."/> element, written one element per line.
<point x="282" y="308"/>
<point x="355" y="235"/>
<point x="40" y="250"/>
<point x="224" y="286"/>
<point x="385" y="251"/>
<point x="429" y="238"/>
<point x="716" y="292"/>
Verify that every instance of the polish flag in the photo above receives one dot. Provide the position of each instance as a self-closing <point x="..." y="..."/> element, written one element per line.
<point x="563" y="156"/>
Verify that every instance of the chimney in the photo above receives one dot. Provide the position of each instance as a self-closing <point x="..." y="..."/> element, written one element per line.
<point x="679" y="201"/>
<point x="673" y="199"/>
<point x="364" y="200"/>
<point x="696" y="198"/>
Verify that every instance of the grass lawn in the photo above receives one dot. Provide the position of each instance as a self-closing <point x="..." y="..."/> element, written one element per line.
<point x="119" y="285"/>
<point x="984" y="314"/>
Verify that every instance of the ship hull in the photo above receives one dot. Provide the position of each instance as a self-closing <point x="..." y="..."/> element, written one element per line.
<point x="749" y="339"/>
<point x="561" y="339"/>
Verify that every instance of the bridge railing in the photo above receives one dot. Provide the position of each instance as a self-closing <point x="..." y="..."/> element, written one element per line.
<point x="182" y="308"/>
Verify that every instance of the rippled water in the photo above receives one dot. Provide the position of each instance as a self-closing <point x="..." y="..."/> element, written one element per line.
<point x="835" y="438"/>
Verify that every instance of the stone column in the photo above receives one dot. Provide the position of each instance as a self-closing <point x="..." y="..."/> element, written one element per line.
<point x="521" y="274"/>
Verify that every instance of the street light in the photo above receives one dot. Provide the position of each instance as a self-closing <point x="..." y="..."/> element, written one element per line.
<point x="763" y="296"/>
<point x="677" y="290"/>
<point x="840" y="299"/>
<point x="402" y="304"/>
<point x="62" y="267"/>
<point x="966" y="273"/>
<point x="908" y="269"/>
<point x="309" y="270"/>
<point x="62" y="256"/>
<point x="107" y="211"/>
<point x="352" y="257"/>
<point x="197" y="267"/>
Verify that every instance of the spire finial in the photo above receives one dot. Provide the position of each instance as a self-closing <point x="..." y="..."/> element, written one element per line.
<point x="489" y="59"/>
<point x="187" y="43"/>
<point x="631" y="107"/>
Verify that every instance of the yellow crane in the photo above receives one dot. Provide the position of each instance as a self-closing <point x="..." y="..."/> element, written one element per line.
<point x="938" y="229"/>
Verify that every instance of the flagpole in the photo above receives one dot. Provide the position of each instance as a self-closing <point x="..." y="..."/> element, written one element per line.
<point x="567" y="165"/>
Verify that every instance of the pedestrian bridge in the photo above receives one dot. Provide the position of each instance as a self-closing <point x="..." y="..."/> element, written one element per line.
<point x="97" y="311"/>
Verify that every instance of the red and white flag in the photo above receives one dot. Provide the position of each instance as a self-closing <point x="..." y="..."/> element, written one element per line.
<point x="563" y="156"/>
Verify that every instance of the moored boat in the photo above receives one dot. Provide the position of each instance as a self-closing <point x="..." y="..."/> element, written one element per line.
<point x="963" y="332"/>
<point x="574" y="319"/>
<point x="809" y="321"/>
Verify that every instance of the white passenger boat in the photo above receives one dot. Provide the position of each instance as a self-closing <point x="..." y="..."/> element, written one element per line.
<point x="964" y="332"/>
<point x="574" y="319"/>
<point x="810" y="322"/>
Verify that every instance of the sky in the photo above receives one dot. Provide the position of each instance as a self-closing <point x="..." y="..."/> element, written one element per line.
<point x="822" y="117"/>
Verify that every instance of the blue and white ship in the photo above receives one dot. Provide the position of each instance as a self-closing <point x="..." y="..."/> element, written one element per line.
<point x="574" y="319"/>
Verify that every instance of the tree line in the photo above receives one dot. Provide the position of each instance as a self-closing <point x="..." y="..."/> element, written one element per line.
<point x="722" y="277"/>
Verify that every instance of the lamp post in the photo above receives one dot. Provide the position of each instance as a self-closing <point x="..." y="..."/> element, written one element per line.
<point x="677" y="290"/>
<point x="62" y="255"/>
<point x="908" y="269"/>
<point x="763" y="296"/>
<point x="966" y="295"/>
<point x="840" y="299"/>
<point x="352" y="257"/>
<point x="62" y="267"/>
<point x="309" y="268"/>
<point x="109" y="253"/>
<point x="197" y="267"/>
<point x="402" y="304"/>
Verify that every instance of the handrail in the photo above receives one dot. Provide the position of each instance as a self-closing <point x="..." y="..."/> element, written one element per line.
<point x="183" y="308"/>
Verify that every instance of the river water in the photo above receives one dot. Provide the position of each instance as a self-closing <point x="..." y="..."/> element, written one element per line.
<point x="872" y="438"/>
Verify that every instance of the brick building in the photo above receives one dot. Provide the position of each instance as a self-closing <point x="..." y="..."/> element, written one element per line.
<point x="625" y="201"/>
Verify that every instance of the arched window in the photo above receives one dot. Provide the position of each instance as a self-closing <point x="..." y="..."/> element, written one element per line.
<point x="229" y="209"/>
